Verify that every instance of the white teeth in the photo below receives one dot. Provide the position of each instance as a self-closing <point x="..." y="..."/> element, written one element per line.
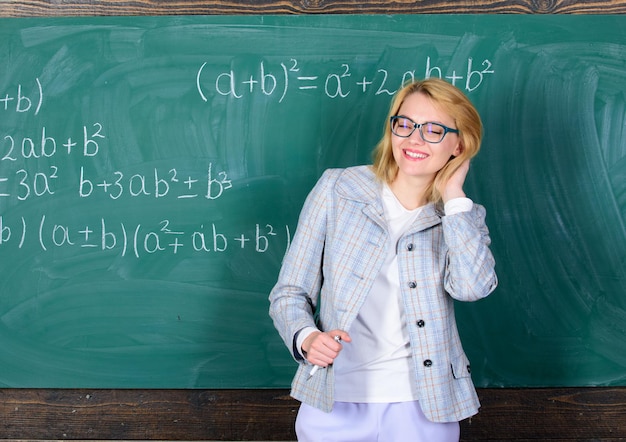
<point x="420" y="156"/>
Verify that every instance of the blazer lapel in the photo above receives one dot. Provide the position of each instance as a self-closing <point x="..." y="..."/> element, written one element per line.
<point x="359" y="184"/>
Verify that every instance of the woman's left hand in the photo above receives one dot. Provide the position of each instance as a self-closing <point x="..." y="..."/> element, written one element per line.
<point x="453" y="188"/>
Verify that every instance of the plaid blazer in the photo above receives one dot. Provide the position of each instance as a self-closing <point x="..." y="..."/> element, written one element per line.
<point x="337" y="250"/>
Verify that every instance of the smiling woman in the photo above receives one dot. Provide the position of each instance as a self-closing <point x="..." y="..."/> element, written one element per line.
<point x="398" y="361"/>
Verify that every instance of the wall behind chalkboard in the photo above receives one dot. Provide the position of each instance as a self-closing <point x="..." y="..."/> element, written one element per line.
<point x="152" y="170"/>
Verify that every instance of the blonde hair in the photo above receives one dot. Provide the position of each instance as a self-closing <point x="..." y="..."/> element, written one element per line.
<point x="453" y="102"/>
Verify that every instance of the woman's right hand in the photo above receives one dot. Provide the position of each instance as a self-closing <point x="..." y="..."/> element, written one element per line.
<point x="321" y="348"/>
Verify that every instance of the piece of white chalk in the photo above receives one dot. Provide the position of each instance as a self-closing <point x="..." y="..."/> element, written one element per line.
<point x="314" y="370"/>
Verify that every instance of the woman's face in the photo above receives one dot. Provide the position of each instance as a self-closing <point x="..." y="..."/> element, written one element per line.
<point x="416" y="158"/>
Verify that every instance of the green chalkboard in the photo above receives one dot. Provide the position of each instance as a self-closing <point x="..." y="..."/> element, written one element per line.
<point x="152" y="170"/>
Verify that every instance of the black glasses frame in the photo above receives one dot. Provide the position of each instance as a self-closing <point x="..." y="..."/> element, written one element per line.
<point x="419" y="126"/>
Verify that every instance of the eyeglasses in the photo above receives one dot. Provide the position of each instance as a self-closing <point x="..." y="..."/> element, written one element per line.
<point x="430" y="132"/>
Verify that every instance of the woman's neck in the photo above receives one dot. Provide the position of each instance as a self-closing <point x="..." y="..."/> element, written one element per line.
<point x="410" y="194"/>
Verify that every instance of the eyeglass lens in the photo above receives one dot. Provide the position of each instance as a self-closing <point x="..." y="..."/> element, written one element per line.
<point x="431" y="132"/>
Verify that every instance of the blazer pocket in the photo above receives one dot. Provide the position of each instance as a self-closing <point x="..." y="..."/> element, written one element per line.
<point x="461" y="367"/>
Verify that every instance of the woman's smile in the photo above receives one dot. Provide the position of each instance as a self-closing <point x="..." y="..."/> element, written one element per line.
<point x="415" y="155"/>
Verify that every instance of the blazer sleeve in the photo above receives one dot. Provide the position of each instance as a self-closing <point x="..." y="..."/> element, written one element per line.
<point x="470" y="267"/>
<point x="294" y="298"/>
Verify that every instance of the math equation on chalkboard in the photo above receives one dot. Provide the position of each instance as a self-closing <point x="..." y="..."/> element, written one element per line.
<point x="137" y="240"/>
<point x="277" y="81"/>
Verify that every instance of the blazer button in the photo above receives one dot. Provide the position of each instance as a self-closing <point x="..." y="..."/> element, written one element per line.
<point x="421" y="323"/>
<point x="410" y="247"/>
<point x="412" y="284"/>
<point x="428" y="363"/>
<point x="468" y="369"/>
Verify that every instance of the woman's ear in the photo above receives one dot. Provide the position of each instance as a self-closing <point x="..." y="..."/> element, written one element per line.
<point x="458" y="150"/>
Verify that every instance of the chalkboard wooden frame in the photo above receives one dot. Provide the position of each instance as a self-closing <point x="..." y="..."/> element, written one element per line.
<point x="555" y="414"/>
<point x="507" y="414"/>
<point x="49" y="8"/>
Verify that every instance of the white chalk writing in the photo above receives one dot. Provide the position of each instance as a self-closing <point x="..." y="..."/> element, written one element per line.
<point x="276" y="81"/>
<point x="22" y="99"/>
<point x="137" y="240"/>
